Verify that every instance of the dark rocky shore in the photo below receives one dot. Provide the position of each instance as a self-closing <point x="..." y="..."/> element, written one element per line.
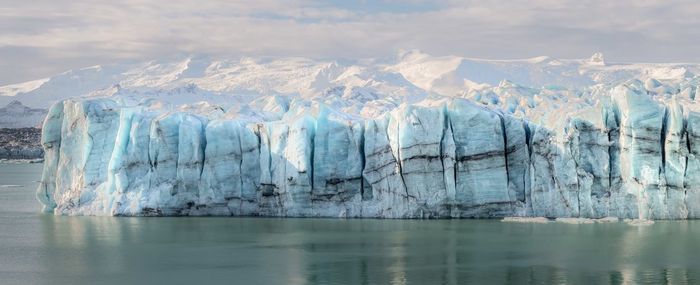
<point x="21" y="143"/>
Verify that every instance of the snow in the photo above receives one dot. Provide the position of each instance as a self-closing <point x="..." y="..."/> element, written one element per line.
<point x="415" y="137"/>
<point x="14" y="89"/>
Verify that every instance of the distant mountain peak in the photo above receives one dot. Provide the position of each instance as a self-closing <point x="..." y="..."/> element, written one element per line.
<point x="17" y="107"/>
<point x="15" y="103"/>
<point x="411" y="75"/>
<point x="17" y="115"/>
<point x="597" y="59"/>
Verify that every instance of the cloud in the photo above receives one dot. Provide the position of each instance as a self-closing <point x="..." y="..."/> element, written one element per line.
<point x="45" y="37"/>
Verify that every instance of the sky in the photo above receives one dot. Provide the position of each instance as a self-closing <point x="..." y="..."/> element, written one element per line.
<point x="44" y="37"/>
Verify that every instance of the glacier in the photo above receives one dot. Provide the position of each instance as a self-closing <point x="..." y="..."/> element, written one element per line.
<point x="387" y="144"/>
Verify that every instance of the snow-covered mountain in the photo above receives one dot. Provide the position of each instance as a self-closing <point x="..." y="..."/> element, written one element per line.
<point x="533" y="88"/>
<point x="410" y="76"/>
<point x="415" y="136"/>
<point x="363" y="87"/>
<point x="16" y="115"/>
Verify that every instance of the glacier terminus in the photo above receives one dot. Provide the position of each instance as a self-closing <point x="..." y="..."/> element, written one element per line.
<point x="422" y="137"/>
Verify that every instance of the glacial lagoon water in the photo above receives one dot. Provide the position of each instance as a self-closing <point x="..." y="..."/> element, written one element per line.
<point x="38" y="248"/>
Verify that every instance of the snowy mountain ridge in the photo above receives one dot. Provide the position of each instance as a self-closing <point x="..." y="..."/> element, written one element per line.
<point x="16" y="115"/>
<point x="410" y="77"/>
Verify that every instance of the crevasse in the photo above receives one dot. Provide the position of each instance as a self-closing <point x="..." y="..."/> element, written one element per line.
<point x="636" y="158"/>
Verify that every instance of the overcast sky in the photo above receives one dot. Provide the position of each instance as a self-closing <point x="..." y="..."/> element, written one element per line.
<point x="41" y="38"/>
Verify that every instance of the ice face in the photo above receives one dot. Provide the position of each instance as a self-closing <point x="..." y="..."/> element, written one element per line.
<point x="675" y="163"/>
<point x="641" y="158"/>
<point x="221" y="183"/>
<point x="417" y="135"/>
<point x="590" y="151"/>
<point x="80" y="167"/>
<point x="385" y="192"/>
<point x="630" y="157"/>
<point x="337" y="165"/>
<point x="129" y="167"/>
<point x="51" y="141"/>
<point x="481" y="177"/>
<point x="692" y="181"/>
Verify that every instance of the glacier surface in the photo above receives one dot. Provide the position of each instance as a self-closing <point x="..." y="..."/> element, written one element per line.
<point x="401" y="143"/>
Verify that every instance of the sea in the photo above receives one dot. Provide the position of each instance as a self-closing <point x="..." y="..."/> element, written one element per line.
<point x="40" y="248"/>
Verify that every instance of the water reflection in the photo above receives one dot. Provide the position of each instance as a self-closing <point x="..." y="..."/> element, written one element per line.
<point x="44" y="249"/>
<point x="85" y="250"/>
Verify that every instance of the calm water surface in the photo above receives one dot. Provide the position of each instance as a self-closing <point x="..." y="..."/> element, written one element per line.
<point x="40" y="248"/>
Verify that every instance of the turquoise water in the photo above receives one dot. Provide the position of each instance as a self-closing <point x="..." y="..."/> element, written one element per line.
<point x="40" y="248"/>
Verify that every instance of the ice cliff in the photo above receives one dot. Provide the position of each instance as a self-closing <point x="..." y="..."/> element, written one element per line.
<point x="422" y="137"/>
<point x="628" y="156"/>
